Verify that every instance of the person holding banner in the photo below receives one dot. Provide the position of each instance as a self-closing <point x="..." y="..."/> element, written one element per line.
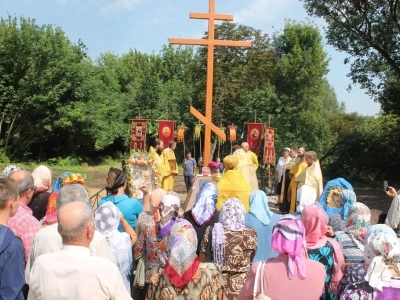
<point x="171" y="167"/>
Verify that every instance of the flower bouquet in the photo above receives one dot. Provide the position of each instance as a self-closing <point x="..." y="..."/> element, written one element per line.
<point x="214" y="166"/>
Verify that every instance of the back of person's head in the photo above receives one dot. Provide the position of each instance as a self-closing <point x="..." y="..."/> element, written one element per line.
<point x="75" y="223"/>
<point x="116" y="179"/>
<point x="312" y="155"/>
<point x="71" y="193"/>
<point x="154" y="143"/>
<point x="171" y="144"/>
<point x="24" y="179"/>
<point x="8" y="192"/>
<point x="231" y="162"/>
<point x="236" y="147"/>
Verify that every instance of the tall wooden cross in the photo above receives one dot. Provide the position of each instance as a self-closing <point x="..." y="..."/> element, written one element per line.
<point x="211" y="42"/>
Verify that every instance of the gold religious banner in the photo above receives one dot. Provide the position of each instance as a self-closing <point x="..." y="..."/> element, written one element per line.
<point x="197" y="131"/>
<point x="232" y="133"/>
<point x="181" y="132"/>
<point x="221" y="141"/>
<point x="210" y="42"/>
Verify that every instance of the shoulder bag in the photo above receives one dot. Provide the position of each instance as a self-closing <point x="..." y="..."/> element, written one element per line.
<point x="259" y="280"/>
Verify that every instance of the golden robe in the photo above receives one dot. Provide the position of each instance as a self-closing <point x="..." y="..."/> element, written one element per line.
<point x="253" y="158"/>
<point x="312" y="176"/>
<point x="169" y="161"/>
<point x="160" y="168"/>
<point x="295" y="172"/>
<point x="288" y="166"/>
<point x="233" y="184"/>
<point x="246" y="166"/>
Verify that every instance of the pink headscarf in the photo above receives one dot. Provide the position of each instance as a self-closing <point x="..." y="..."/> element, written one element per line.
<point x="288" y="237"/>
<point x="155" y="200"/>
<point x="315" y="223"/>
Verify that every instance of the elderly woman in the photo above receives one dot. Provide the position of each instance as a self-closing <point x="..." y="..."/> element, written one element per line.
<point x="204" y="212"/>
<point x="153" y="229"/>
<point x="305" y="196"/>
<point x="356" y="272"/>
<point x="382" y="258"/>
<point x="290" y="275"/>
<point x="40" y="198"/>
<point x="107" y="219"/>
<point x="323" y="249"/>
<point x="184" y="277"/>
<point x="232" y="246"/>
<point x="233" y="184"/>
<point x="262" y="220"/>
<point x="352" y="237"/>
<point x="8" y="170"/>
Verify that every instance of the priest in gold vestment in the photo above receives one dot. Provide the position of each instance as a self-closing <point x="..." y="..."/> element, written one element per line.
<point x="233" y="184"/>
<point x="155" y="152"/>
<point x="171" y="166"/>
<point x="294" y="173"/>
<point x="247" y="168"/>
<point x="312" y="175"/>
<point x="252" y="156"/>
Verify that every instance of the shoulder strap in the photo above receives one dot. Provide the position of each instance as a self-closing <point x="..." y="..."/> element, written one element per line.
<point x="209" y="245"/>
<point x="259" y="269"/>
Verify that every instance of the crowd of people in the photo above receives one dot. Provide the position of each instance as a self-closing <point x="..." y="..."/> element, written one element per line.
<point x="55" y="245"/>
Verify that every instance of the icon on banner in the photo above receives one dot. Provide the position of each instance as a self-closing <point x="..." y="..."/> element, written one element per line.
<point x="166" y="131"/>
<point x="255" y="133"/>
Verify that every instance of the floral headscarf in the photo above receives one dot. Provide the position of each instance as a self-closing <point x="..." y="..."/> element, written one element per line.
<point x="169" y="207"/>
<point x="288" y="237"/>
<point x="183" y="262"/>
<point x="382" y="251"/>
<point x="259" y="207"/>
<point x="8" y="170"/>
<point x="348" y="199"/>
<point x="231" y="217"/>
<point x="206" y="203"/>
<point x="377" y="228"/>
<point x="107" y="220"/>
<point x="337" y="223"/>
<point x="42" y="178"/>
<point x="358" y="223"/>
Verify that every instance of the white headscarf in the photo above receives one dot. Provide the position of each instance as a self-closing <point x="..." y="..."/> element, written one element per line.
<point x="107" y="218"/>
<point x="306" y="195"/>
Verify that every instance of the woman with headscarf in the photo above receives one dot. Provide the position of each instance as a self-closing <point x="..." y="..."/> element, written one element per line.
<point x="337" y="197"/>
<point x="116" y="185"/>
<point x="290" y="275"/>
<point x="337" y="223"/>
<point x="40" y="198"/>
<point x="233" y="246"/>
<point x="323" y="249"/>
<point x="233" y="184"/>
<point x="184" y="276"/>
<point x="204" y="212"/>
<point x="305" y="196"/>
<point x="153" y="229"/>
<point x="352" y="237"/>
<point x="262" y="220"/>
<point x="382" y="258"/>
<point x="8" y="170"/>
<point x="63" y="180"/>
<point x="356" y="272"/>
<point x="107" y="219"/>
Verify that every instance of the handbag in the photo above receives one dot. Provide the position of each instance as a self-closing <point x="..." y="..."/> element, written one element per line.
<point x="259" y="278"/>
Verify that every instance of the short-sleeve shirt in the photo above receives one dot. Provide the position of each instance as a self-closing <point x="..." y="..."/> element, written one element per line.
<point x="190" y="165"/>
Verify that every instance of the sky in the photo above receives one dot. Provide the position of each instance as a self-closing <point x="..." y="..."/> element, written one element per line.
<point x="146" y="25"/>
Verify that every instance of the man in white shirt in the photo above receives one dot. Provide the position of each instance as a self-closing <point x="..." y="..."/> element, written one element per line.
<point x="48" y="240"/>
<point x="73" y="272"/>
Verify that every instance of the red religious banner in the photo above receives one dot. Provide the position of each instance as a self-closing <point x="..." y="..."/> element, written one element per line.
<point x="138" y="134"/>
<point x="181" y="132"/>
<point x="269" y="146"/>
<point x="232" y="133"/>
<point x="254" y="135"/>
<point x="166" y="131"/>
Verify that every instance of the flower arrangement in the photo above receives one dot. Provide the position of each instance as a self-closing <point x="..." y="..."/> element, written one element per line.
<point x="140" y="158"/>
<point x="74" y="178"/>
<point x="214" y="166"/>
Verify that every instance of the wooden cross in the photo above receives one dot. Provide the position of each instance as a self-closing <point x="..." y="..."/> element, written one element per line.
<point x="210" y="42"/>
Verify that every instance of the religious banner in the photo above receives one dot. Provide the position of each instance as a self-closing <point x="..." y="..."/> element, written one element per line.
<point x="221" y="141"/>
<point x="181" y="132"/>
<point x="254" y="135"/>
<point x="138" y="134"/>
<point x="166" y="131"/>
<point x="232" y="133"/>
<point x="197" y="131"/>
<point x="269" y="146"/>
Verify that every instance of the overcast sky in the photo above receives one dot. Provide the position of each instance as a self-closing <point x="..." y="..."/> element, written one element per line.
<point x="118" y="25"/>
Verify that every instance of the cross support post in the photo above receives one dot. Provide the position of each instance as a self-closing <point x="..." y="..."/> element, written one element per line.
<point x="210" y="43"/>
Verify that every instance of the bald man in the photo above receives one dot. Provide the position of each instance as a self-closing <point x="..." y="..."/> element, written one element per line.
<point x="24" y="224"/>
<point x="250" y="154"/>
<point x="73" y="272"/>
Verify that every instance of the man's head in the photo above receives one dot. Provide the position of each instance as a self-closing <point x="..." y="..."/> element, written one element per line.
<point x="172" y="145"/>
<point x="310" y="157"/>
<point x="72" y="193"/>
<point x="293" y="152"/>
<point x="245" y="146"/>
<point x="26" y="186"/>
<point x="218" y="159"/>
<point x="301" y="152"/>
<point x="75" y="224"/>
<point x="156" y="144"/>
<point x="235" y="147"/>
<point x="9" y="199"/>
<point x="188" y="154"/>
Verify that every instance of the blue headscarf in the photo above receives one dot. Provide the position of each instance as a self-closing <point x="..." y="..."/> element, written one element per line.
<point x="259" y="207"/>
<point x="206" y="203"/>
<point x="338" y="182"/>
<point x="348" y="198"/>
<point x="380" y="228"/>
<point x="58" y="183"/>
